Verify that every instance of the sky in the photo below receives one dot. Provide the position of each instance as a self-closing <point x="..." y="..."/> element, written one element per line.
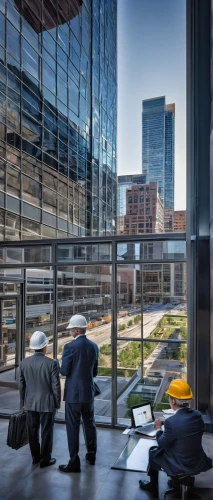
<point x="151" y="63"/>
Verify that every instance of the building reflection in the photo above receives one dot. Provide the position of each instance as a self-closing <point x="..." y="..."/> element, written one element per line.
<point x="58" y="120"/>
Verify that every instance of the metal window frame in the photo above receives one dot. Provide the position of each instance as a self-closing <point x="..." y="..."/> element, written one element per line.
<point x="114" y="263"/>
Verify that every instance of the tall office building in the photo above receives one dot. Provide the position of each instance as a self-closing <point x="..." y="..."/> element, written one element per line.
<point x="124" y="183"/>
<point x="57" y="118"/>
<point x="158" y="138"/>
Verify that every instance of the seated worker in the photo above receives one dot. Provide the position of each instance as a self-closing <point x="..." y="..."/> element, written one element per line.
<point x="179" y="447"/>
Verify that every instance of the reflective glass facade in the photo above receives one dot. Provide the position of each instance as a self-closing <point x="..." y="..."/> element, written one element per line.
<point x="158" y="129"/>
<point x="57" y="118"/>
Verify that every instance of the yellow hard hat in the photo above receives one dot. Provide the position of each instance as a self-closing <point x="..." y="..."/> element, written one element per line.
<point x="179" y="389"/>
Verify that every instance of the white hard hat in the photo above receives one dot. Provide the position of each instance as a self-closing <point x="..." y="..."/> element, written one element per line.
<point x="77" y="321"/>
<point x="38" y="340"/>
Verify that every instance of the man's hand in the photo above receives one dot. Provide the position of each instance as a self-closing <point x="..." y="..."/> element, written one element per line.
<point x="157" y="424"/>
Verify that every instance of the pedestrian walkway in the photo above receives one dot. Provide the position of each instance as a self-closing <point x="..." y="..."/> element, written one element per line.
<point x="20" y="480"/>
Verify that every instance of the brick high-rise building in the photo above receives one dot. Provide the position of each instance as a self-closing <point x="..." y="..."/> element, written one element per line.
<point x="180" y="221"/>
<point x="144" y="210"/>
<point x="124" y="183"/>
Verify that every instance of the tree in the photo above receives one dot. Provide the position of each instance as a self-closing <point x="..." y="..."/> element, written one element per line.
<point x="105" y="349"/>
<point x="137" y="318"/>
<point x="129" y="323"/>
<point x="133" y="400"/>
<point x="183" y="332"/>
<point x="130" y="356"/>
<point x="122" y="327"/>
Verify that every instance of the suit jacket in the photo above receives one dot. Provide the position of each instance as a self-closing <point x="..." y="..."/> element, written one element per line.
<point x="79" y="365"/>
<point x="39" y="383"/>
<point x="180" y="445"/>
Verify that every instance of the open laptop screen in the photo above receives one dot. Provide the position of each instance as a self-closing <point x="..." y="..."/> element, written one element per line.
<point x="142" y="415"/>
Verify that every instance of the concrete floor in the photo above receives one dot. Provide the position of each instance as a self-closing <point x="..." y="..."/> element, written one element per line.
<point x="20" y="480"/>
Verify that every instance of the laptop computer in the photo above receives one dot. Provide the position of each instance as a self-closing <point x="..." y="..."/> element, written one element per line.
<point x="143" y="419"/>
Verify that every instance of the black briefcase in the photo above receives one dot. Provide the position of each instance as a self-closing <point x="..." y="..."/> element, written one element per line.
<point x="97" y="390"/>
<point x="17" y="431"/>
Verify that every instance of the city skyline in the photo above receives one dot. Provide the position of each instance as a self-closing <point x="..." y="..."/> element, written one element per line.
<point x="151" y="63"/>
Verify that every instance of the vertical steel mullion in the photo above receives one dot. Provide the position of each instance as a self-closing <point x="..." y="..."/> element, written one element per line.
<point x="24" y="303"/>
<point x="142" y="341"/>
<point x="18" y="335"/>
<point x="20" y="171"/>
<point x="55" y="320"/>
<point x="114" y="335"/>
<point x="73" y="289"/>
<point x="1" y="333"/>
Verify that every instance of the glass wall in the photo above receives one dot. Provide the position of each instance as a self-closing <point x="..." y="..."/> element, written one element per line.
<point x="133" y="295"/>
<point x="152" y="318"/>
<point x="86" y="290"/>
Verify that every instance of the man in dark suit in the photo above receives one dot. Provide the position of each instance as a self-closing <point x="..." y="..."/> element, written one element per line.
<point x="79" y="365"/>
<point x="40" y="394"/>
<point x="179" y="448"/>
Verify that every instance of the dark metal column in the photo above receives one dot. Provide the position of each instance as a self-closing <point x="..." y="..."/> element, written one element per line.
<point x="198" y="201"/>
<point x="114" y="334"/>
<point x="55" y="301"/>
<point x="211" y="219"/>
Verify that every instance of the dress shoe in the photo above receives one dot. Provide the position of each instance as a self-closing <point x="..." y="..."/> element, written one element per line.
<point x="71" y="467"/>
<point x="52" y="461"/>
<point x="148" y="486"/>
<point x="35" y="461"/>
<point x="90" y="457"/>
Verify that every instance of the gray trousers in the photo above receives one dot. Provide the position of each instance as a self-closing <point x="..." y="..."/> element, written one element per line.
<point x="41" y="452"/>
<point x="73" y="414"/>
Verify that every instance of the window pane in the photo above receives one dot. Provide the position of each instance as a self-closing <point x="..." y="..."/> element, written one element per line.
<point x="164" y="362"/>
<point x="12" y="226"/>
<point x="49" y="179"/>
<point x="73" y="96"/>
<point x="13" y="41"/>
<point x="158" y="250"/>
<point x="30" y="230"/>
<point x="63" y="207"/>
<point x="49" y="200"/>
<point x="30" y="59"/>
<point x="2" y="176"/>
<point x="39" y="308"/>
<point x="87" y="290"/>
<point x="2" y="29"/>
<point x="13" y="181"/>
<point x="84" y="253"/>
<point x="48" y="232"/>
<point x="31" y="191"/>
<point x="37" y="254"/>
<point x="13" y="115"/>
<point x="49" y="79"/>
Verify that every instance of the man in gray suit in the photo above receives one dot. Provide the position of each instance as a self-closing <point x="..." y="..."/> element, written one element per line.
<point x="40" y="395"/>
<point x="79" y="365"/>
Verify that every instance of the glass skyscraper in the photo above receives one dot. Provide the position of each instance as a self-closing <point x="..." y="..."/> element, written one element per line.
<point x="158" y="137"/>
<point x="58" y="91"/>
